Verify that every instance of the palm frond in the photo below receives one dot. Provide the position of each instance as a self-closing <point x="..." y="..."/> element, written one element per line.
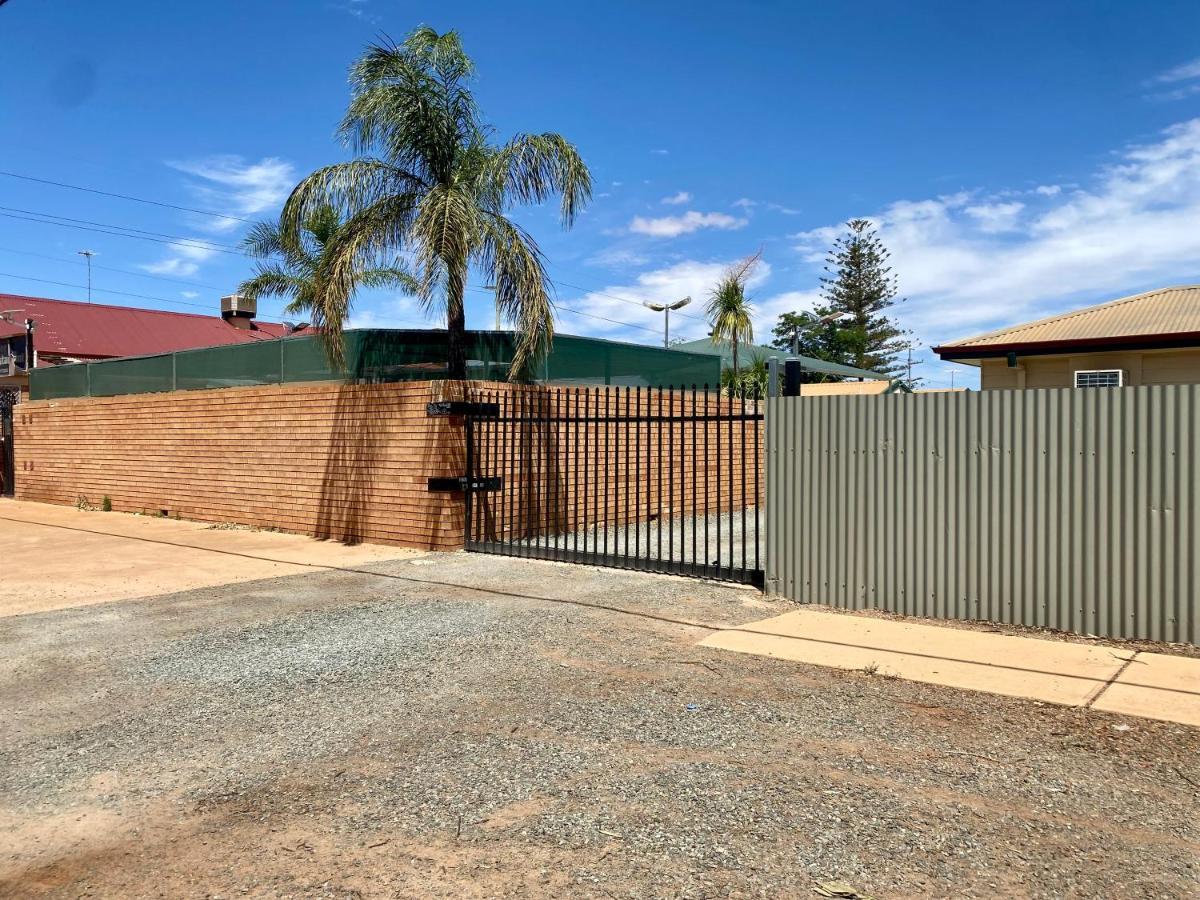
<point x="511" y="259"/>
<point x="263" y="240"/>
<point x="534" y="167"/>
<point x="729" y="311"/>
<point x="391" y="276"/>
<point x="273" y="281"/>
<point x="345" y="187"/>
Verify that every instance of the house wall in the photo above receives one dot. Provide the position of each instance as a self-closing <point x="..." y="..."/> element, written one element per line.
<point x="1140" y="367"/>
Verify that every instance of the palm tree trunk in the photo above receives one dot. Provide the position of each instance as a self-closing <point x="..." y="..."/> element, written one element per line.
<point x="456" y="327"/>
<point x="735" y="358"/>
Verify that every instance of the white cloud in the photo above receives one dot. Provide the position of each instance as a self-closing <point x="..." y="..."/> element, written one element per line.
<point x="394" y="312"/>
<point x="673" y="226"/>
<point x="995" y="217"/>
<point x="744" y="203"/>
<point x="785" y="210"/>
<point x="677" y="199"/>
<point x="1131" y="228"/>
<point x="617" y="257"/>
<point x="1185" y="77"/>
<point x="184" y="259"/>
<point x="1048" y="190"/>
<point x="190" y="295"/>
<point x="1185" y="72"/>
<point x="660" y="152"/>
<point x="623" y="302"/>
<point x="230" y="185"/>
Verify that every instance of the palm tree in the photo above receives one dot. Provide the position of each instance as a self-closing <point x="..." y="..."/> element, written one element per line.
<point x="729" y="308"/>
<point x="293" y="265"/>
<point x="427" y="179"/>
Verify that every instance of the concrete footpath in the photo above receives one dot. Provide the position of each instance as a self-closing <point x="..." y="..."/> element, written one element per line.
<point x="54" y="557"/>
<point x="1113" y="679"/>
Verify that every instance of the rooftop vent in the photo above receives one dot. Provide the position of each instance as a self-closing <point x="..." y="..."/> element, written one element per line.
<point x="238" y="305"/>
<point x="238" y="310"/>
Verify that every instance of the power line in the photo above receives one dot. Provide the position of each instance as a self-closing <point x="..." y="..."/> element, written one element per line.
<point x="173" y="242"/>
<point x="75" y="262"/>
<point x="580" y="287"/>
<point x="109" y="291"/>
<point x="584" y="314"/>
<point x="76" y="187"/>
<point x="577" y="312"/>
<point x="202" y="243"/>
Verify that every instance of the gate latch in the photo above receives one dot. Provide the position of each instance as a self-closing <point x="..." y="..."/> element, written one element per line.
<point x="463" y="408"/>
<point x="475" y="485"/>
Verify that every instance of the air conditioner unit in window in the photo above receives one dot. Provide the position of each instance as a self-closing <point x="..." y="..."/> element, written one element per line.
<point x="1089" y="378"/>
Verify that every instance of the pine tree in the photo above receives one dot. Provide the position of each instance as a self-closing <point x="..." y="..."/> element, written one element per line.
<point x="860" y="285"/>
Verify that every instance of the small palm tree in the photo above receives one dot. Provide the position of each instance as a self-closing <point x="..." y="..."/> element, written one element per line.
<point x="729" y="308"/>
<point x="428" y="179"/>
<point x="293" y="265"/>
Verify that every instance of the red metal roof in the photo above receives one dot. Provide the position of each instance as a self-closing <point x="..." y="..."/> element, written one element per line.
<point x="97" y="330"/>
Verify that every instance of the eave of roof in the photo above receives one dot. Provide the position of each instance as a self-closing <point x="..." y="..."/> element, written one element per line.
<point x="1164" y="317"/>
<point x="1180" y="339"/>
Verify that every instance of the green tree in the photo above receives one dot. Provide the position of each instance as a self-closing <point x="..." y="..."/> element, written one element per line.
<point x="428" y="179"/>
<point x="803" y="333"/>
<point x="729" y="308"/>
<point x="860" y="285"/>
<point x="293" y="265"/>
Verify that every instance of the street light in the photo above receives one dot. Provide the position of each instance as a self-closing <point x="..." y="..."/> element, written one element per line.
<point x="665" y="309"/>
<point x="88" y="254"/>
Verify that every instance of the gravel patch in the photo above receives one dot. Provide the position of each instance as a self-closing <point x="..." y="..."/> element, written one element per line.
<point x="463" y="725"/>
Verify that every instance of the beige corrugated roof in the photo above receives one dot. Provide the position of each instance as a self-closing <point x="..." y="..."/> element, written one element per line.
<point x="1170" y="310"/>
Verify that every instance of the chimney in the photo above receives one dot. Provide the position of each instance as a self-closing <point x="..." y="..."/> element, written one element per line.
<point x="239" y="311"/>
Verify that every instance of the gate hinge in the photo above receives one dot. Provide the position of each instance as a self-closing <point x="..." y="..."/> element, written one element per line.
<point x="477" y="485"/>
<point x="463" y="408"/>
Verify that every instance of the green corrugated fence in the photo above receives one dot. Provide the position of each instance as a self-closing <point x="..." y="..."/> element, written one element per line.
<point x="372" y="356"/>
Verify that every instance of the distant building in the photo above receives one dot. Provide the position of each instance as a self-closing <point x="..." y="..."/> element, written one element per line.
<point x="1150" y="338"/>
<point x="65" y="331"/>
<point x="747" y="353"/>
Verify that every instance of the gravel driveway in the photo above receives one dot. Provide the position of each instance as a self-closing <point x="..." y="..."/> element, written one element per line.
<point x="476" y="726"/>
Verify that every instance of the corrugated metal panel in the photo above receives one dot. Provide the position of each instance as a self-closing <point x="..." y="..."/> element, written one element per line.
<point x="1067" y="509"/>
<point x="1171" y="310"/>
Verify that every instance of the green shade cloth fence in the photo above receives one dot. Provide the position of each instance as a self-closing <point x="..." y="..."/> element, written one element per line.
<point x="372" y="356"/>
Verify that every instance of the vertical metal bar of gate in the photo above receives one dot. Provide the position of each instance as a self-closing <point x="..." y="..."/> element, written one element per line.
<point x="525" y="445"/>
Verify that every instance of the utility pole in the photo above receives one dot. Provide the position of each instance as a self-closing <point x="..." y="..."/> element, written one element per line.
<point x="88" y="254"/>
<point x="665" y="309"/>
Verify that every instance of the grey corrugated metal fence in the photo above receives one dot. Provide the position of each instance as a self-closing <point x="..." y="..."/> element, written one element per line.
<point x="1068" y="509"/>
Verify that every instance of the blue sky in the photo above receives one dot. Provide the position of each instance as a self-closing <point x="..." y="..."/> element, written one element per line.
<point x="1020" y="158"/>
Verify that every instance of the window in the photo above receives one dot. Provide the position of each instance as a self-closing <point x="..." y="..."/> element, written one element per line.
<point x="1089" y="378"/>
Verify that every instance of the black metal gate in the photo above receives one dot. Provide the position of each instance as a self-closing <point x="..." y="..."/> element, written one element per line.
<point x="658" y="480"/>
<point x="7" y="399"/>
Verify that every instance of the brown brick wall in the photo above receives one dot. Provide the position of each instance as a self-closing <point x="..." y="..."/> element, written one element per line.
<point x="352" y="462"/>
<point x="338" y="461"/>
